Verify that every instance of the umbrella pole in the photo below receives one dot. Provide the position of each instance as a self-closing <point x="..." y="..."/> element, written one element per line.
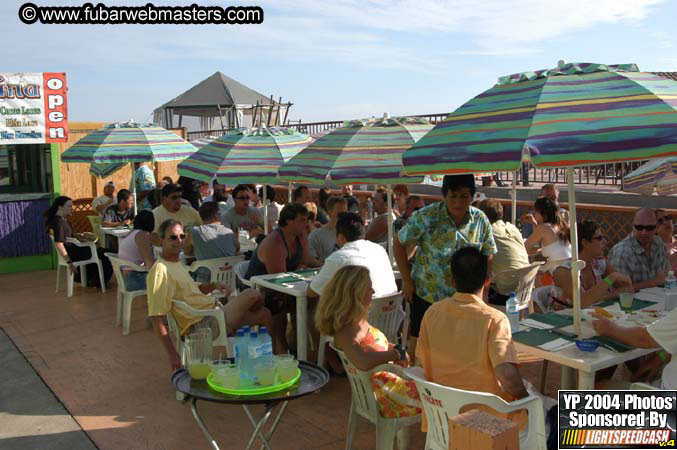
<point x="390" y="223"/>
<point x="265" y="211"/>
<point x="576" y="265"/>
<point x="513" y="194"/>
<point x="289" y="193"/>
<point x="131" y="165"/>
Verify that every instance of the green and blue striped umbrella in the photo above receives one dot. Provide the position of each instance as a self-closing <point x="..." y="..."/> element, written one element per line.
<point x="109" y="148"/>
<point x="576" y="114"/>
<point x="128" y="142"/>
<point x="362" y="151"/>
<point x="660" y="174"/>
<point x="245" y="156"/>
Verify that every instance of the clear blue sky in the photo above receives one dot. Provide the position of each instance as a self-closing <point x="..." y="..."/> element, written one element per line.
<point x="342" y="59"/>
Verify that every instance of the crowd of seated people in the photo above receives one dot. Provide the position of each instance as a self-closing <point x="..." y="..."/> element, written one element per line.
<point x="449" y="256"/>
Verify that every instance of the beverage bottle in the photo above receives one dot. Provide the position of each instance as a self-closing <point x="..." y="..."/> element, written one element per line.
<point x="244" y="355"/>
<point x="240" y="352"/>
<point x="512" y="310"/>
<point x="670" y="291"/>
<point x="266" y="347"/>
<point x="253" y="353"/>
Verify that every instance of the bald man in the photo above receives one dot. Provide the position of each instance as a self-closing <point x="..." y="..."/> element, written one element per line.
<point x="642" y="255"/>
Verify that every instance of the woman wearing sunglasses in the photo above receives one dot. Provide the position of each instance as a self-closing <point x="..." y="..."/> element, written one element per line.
<point x="666" y="231"/>
<point x="598" y="280"/>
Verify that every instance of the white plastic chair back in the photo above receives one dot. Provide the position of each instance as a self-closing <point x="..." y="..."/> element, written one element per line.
<point x="95" y="221"/>
<point x="441" y="403"/>
<point x="386" y="314"/>
<point x="125" y="297"/>
<point x="241" y="271"/>
<point x="222" y="339"/>
<point x="524" y="278"/>
<point x="63" y="265"/>
<point x="363" y="403"/>
<point x="221" y="270"/>
<point x="364" y="400"/>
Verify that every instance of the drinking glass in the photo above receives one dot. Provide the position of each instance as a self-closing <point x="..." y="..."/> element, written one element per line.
<point x="626" y="299"/>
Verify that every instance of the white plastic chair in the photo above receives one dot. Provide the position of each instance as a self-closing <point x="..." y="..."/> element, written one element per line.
<point x="95" y="222"/>
<point x="241" y="271"/>
<point x="125" y="297"/>
<point x="62" y="264"/>
<point x="220" y="341"/>
<point x="220" y="269"/>
<point x="441" y="403"/>
<point x="643" y="387"/>
<point x="385" y="313"/>
<point x="363" y="403"/>
<point x="524" y="278"/>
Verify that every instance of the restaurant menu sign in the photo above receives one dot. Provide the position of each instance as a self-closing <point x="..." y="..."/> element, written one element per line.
<point x="33" y="108"/>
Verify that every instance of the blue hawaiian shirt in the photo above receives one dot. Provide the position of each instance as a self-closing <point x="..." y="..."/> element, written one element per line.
<point x="438" y="238"/>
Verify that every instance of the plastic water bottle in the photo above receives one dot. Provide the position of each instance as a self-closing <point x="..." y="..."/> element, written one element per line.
<point x="670" y="291"/>
<point x="512" y="310"/>
<point x="370" y="209"/>
<point x="244" y="354"/>
<point x="240" y="348"/>
<point x="253" y="354"/>
<point x="266" y="347"/>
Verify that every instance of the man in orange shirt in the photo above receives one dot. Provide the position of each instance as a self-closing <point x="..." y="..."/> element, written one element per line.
<point x="465" y="343"/>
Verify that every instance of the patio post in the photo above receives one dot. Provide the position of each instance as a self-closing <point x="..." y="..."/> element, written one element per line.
<point x="390" y="223"/>
<point x="513" y="195"/>
<point x="576" y="265"/>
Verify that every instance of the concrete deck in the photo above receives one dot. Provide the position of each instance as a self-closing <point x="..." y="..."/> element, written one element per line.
<point x="117" y="387"/>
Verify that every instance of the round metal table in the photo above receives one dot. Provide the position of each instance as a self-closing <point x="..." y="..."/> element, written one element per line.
<point x="313" y="378"/>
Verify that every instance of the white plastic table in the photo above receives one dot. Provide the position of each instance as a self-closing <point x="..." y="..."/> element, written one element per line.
<point x="118" y="232"/>
<point x="298" y="290"/>
<point x="588" y="363"/>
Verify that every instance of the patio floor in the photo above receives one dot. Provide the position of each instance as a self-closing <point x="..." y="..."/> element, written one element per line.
<point x="117" y="387"/>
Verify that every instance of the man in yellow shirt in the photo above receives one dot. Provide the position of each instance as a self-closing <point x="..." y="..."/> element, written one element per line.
<point x="465" y="343"/>
<point x="169" y="280"/>
<point x="172" y="208"/>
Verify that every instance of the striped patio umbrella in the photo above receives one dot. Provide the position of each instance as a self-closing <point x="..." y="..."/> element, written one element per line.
<point x="660" y="174"/>
<point x="362" y="151"/>
<point x="576" y="114"/>
<point x="245" y="156"/>
<point x="102" y="170"/>
<point x="127" y="142"/>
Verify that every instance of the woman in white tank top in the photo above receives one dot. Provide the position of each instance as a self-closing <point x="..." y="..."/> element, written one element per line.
<point x="551" y="234"/>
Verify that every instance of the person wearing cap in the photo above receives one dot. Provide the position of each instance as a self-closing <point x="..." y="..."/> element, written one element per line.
<point x="102" y="202"/>
<point x="439" y="230"/>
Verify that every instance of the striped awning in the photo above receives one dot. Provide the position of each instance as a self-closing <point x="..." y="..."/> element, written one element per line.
<point x="128" y="142"/>
<point x="660" y="174"/>
<point x="245" y="156"/>
<point x="576" y="114"/>
<point x="362" y="151"/>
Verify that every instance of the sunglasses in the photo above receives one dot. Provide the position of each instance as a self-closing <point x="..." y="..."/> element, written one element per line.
<point x="174" y="237"/>
<point x="242" y="198"/>
<point x="175" y="197"/>
<point x="664" y="219"/>
<point x="645" y="227"/>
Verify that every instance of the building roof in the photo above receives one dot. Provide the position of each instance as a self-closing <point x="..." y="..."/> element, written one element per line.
<point x="216" y="91"/>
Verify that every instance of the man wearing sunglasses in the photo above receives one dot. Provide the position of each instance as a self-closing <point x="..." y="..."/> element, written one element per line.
<point x="173" y="208"/>
<point x="642" y="254"/>
<point x="243" y="215"/>
<point x="413" y="204"/>
<point x="168" y="279"/>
